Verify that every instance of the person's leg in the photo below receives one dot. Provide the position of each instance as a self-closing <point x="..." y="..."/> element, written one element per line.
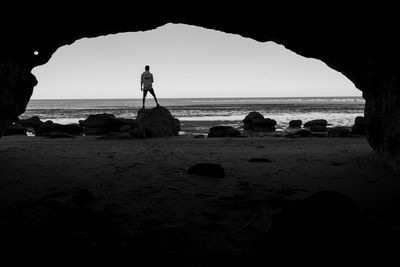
<point x="144" y="97"/>
<point x="154" y="95"/>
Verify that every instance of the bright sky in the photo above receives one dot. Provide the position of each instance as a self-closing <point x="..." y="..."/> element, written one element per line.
<point x="186" y="62"/>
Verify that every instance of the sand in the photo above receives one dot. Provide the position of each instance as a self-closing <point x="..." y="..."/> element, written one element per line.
<point x="132" y="201"/>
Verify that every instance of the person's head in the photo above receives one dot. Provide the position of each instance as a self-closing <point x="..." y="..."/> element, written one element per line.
<point x="147" y="68"/>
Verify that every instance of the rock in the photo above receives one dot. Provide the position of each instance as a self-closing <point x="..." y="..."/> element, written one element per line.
<point x="317" y="128"/>
<point x="339" y="131"/>
<point x="15" y="129"/>
<point x="295" y="123"/>
<point x="223" y="131"/>
<point x="158" y="122"/>
<point x="315" y="122"/>
<point x="49" y="127"/>
<point x="99" y="124"/>
<point x="33" y="122"/>
<point x="97" y="120"/>
<point x="207" y="169"/>
<point x="252" y="116"/>
<point x="359" y="126"/>
<point x="256" y="122"/>
<point x="329" y="225"/>
<point x="198" y="136"/>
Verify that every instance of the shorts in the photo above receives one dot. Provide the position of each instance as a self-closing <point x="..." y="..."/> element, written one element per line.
<point x="148" y="90"/>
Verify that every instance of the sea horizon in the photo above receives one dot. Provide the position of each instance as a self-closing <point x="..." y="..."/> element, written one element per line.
<point x="233" y="97"/>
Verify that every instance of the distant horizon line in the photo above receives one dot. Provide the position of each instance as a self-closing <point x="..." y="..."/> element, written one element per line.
<point x="238" y="97"/>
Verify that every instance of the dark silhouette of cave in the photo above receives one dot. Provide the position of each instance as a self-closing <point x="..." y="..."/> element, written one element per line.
<point x="359" y="42"/>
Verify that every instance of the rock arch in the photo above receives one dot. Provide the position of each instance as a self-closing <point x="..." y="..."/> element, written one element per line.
<point x="358" y="43"/>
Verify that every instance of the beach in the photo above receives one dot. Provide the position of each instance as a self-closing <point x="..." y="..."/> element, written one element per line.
<point x="132" y="201"/>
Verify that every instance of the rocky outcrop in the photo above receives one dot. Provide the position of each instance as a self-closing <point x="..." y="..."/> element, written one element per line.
<point x="223" y="131"/>
<point x="254" y="121"/>
<point x="149" y="123"/>
<point x="158" y="122"/>
<point x="360" y="44"/>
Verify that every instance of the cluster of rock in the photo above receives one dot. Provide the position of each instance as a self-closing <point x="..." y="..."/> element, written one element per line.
<point x="253" y="122"/>
<point x="318" y="128"/>
<point x="256" y="123"/>
<point x="156" y="122"/>
<point x="149" y="123"/>
<point x="48" y="128"/>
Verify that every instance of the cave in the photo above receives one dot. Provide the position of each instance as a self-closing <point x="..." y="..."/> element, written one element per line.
<point x="361" y="45"/>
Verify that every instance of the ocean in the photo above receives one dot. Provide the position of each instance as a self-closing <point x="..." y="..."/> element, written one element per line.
<point x="197" y="115"/>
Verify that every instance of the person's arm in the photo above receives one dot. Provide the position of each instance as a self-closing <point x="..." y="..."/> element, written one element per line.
<point x="141" y="83"/>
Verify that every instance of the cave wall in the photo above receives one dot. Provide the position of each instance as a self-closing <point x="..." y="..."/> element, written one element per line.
<point x="360" y="43"/>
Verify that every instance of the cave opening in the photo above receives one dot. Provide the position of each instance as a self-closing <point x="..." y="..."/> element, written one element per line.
<point x="204" y="76"/>
<point x="134" y="201"/>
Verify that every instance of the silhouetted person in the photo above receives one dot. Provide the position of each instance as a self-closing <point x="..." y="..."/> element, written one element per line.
<point x="146" y="84"/>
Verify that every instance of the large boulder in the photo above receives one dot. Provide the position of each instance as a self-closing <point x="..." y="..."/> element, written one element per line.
<point x="256" y="122"/>
<point x="223" y="131"/>
<point x="158" y="122"/>
<point x="252" y="116"/>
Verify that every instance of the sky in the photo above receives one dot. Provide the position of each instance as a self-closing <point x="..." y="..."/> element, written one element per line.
<point x="187" y="62"/>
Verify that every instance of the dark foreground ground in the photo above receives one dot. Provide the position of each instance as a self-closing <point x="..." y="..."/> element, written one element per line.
<point x="92" y="202"/>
